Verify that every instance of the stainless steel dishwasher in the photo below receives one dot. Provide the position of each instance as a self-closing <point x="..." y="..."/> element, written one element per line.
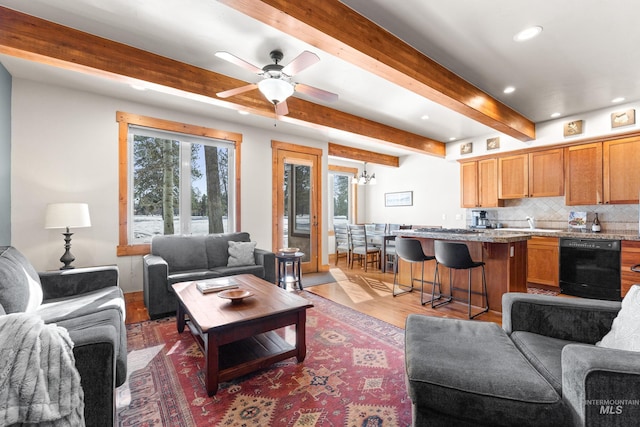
<point x="590" y="268"/>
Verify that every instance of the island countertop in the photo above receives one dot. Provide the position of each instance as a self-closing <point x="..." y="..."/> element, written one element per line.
<point x="497" y="235"/>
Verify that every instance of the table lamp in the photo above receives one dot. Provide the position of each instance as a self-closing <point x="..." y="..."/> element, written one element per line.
<point x="65" y="215"/>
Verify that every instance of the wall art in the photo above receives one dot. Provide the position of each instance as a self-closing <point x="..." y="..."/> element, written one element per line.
<point x="573" y="128"/>
<point x="466" y="148"/>
<point x="623" y="118"/>
<point x="493" y="143"/>
<point x="400" y="198"/>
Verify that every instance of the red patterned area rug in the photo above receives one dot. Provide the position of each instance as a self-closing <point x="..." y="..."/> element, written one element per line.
<point x="353" y="375"/>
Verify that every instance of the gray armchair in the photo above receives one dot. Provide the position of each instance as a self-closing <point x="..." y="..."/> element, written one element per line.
<point x="557" y="335"/>
<point x="541" y="368"/>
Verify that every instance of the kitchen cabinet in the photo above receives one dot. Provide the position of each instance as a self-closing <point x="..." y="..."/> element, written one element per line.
<point x="546" y="173"/>
<point x="543" y="261"/>
<point x="469" y="184"/>
<point x="629" y="256"/>
<point x="621" y="166"/>
<point x="479" y="184"/>
<point x="583" y="174"/>
<point x="513" y="177"/>
<point x="536" y="174"/>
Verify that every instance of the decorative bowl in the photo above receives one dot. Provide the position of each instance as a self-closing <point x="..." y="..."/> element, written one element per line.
<point x="288" y="250"/>
<point x="235" y="295"/>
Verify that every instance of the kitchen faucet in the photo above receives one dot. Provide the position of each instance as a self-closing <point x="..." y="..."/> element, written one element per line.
<point x="532" y="222"/>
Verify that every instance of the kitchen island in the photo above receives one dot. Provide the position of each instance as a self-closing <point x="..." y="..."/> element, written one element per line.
<point x="504" y="254"/>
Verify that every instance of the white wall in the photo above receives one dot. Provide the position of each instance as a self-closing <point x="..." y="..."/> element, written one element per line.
<point x="65" y="149"/>
<point x="436" y="192"/>
<point x="595" y="123"/>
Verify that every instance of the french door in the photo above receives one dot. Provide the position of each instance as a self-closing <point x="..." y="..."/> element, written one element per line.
<point x="296" y="201"/>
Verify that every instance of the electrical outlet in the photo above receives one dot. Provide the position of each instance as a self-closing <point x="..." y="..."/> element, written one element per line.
<point x="444" y="216"/>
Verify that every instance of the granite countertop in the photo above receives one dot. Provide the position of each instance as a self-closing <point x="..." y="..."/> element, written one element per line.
<point x="507" y="236"/>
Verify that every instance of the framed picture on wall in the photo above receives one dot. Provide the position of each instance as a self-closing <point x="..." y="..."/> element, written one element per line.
<point x="573" y="128"/>
<point x="466" y="148"/>
<point x="493" y="143"/>
<point x="623" y="118"/>
<point x="400" y="198"/>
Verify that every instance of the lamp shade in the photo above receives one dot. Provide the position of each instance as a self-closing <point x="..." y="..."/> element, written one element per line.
<point x="275" y="90"/>
<point x="65" y="215"/>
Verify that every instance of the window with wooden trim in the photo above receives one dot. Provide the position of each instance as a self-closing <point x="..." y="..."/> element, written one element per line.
<point x="341" y="195"/>
<point x="175" y="179"/>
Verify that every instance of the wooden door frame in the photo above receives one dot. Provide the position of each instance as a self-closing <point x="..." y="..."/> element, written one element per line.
<point x="316" y="194"/>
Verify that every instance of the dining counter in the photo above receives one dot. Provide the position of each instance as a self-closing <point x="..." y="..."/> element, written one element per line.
<point x="497" y="235"/>
<point x="504" y="253"/>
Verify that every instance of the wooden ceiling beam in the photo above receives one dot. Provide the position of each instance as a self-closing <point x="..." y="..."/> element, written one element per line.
<point x="362" y="155"/>
<point x="35" y="39"/>
<point x="338" y="30"/>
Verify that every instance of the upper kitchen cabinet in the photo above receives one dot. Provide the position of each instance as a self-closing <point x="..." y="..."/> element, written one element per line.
<point x="621" y="170"/>
<point x="546" y="173"/>
<point x="583" y="174"/>
<point x="536" y="174"/>
<point x="479" y="184"/>
<point x="513" y="177"/>
<point x="469" y="184"/>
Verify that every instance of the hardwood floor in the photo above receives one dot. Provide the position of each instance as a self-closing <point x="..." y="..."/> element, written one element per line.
<point x="369" y="293"/>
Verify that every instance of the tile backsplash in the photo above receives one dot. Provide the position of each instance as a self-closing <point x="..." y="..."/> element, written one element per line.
<point x="551" y="212"/>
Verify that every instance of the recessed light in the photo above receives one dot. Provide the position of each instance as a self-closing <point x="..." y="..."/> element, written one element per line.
<point x="554" y="115"/>
<point x="618" y="99"/>
<point x="425" y="117"/>
<point x="528" y="33"/>
<point x="453" y="138"/>
<point x="509" y="89"/>
<point x="242" y="112"/>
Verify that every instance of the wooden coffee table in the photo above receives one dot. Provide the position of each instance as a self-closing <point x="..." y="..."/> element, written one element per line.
<point x="239" y="338"/>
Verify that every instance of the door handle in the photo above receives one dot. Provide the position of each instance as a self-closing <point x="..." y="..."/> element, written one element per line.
<point x="636" y="268"/>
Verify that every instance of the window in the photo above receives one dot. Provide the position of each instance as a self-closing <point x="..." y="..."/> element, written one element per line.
<point x="341" y="203"/>
<point x="176" y="179"/>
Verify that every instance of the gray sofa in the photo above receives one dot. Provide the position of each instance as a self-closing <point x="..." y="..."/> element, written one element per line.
<point x="540" y="368"/>
<point x="180" y="258"/>
<point x="89" y="304"/>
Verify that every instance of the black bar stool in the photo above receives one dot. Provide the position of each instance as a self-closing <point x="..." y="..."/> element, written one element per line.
<point x="411" y="251"/>
<point x="455" y="256"/>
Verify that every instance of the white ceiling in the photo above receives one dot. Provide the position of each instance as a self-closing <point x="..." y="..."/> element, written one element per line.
<point x="585" y="56"/>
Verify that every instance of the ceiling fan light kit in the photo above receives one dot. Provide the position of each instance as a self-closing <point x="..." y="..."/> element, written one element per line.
<point x="276" y="85"/>
<point x="275" y="90"/>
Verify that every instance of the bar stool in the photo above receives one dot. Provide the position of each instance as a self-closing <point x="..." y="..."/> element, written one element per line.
<point x="411" y="251"/>
<point x="455" y="256"/>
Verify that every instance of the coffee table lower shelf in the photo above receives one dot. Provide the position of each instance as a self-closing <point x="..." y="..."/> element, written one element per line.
<point x="247" y="355"/>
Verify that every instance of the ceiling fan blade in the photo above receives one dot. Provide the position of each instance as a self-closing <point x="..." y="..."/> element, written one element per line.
<point x="239" y="62"/>
<point x="236" y="91"/>
<point x="301" y="62"/>
<point x="322" y="95"/>
<point x="281" y="108"/>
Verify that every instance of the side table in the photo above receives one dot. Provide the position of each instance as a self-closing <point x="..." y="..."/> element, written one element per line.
<point x="286" y="259"/>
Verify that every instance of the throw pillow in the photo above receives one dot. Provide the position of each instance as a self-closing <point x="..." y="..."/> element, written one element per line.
<point x="241" y="253"/>
<point x="625" y="330"/>
<point x="35" y="293"/>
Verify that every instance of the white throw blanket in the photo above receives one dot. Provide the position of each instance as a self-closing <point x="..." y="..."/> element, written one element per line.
<point x="39" y="382"/>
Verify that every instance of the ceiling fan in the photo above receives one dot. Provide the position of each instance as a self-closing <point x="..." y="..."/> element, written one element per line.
<point x="276" y="84"/>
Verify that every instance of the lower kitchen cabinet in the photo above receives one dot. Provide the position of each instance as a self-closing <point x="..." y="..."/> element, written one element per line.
<point x="630" y="256"/>
<point x="543" y="261"/>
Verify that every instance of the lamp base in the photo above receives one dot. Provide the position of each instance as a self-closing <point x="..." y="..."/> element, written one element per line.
<point x="67" y="258"/>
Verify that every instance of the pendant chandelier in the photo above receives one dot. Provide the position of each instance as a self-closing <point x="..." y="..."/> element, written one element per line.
<point x="365" y="179"/>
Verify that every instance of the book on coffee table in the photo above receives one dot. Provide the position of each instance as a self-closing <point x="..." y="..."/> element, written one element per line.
<point x="206" y="286"/>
